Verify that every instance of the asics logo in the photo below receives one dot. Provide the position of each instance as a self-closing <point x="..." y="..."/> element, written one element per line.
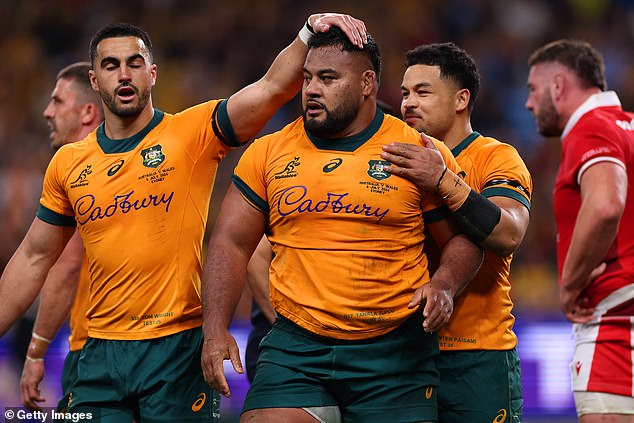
<point x="428" y="392"/>
<point x="501" y="417"/>
<point x="115" y="168"/>
<point x="334" y="163"/>
<point x="200" y="401"/>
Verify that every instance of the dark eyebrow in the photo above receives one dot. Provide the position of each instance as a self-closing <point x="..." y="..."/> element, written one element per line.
<point x="417" y="86"/>
<point x="321" y="71"/>
<point x="108" y="60"/>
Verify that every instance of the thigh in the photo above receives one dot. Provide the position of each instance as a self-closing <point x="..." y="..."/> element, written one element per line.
<point x="98" y="380"/>
<point x="592" y="405"/>
<point x="602" y="361"/>
<point x="69" y="375"/>
<point x="480" y="386"/>
<point x="170" y="383"/>
<point x="103" y="413"/>
<point x="293" y="371"/>
<point x="280" y="415"/>
<point x="389" y="378"/>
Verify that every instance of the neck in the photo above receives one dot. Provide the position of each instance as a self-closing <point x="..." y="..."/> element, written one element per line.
<point x="117" y="127"/>
<point x="364" y="118"/>
<point x="460" y="130"/>
<point x="573" y="101"/>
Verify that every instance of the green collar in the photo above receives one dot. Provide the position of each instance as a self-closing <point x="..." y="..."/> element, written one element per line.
<point x="464" y="143"/>
<point x="110" y="146"/>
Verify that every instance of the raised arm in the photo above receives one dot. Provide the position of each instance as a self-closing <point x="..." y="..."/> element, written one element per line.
<point x="237" y="232"/>
<point x="460" y="260"/>
<point x="56" y="299"/>
<point x="497" y="224"/>
<point x="258" y="278"/>
<point x="250" y="108"/>
<point x="594" y="232"/>
<point x="24" y="275"/>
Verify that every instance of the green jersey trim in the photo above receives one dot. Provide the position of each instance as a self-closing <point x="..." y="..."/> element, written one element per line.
<point x="54" y="218"/>
<point x="250" y="195"/>
<point x="464" y="143"/>
<point x="436" y="215"/>
<point x="222" y="126"/>
<point x="110" y="146"/>
<point x="506" y="192"/>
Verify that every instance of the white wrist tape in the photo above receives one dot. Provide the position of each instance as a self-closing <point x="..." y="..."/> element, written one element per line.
<point x="40" y="338"/>
<point x="305" y="33"/>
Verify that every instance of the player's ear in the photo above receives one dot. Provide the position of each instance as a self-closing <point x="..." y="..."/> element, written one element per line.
<point x="89" y="113"/>
<point x="462" y="99"/>
<point x="368" y="82"/>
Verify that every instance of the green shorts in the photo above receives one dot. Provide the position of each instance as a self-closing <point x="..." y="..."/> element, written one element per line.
<point x="480" y="386"/>
<point x="154" y="380"/>
<point x="392" y="377"/>
<point x="69" y="374"/>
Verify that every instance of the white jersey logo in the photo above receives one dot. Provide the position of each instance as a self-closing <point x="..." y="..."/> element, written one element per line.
<point x="625" y="125"/>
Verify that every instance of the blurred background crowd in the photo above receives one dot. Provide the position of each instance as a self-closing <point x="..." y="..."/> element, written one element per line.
<point x="209" y="49"/>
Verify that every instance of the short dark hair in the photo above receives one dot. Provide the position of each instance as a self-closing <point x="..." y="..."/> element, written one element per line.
<point x="336" y="37"/>
<point x="115" y="31"/>
<point x="578" y="56"/>
<point x="454" y="63"/>
<point x="78" y="73"/>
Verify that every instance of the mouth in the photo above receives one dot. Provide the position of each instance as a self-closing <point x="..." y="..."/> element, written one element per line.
<point x="313" y="108"/>
<point x="411" y="118"/>
<point x="51" y="129"/>
<point x="126" y="93"/>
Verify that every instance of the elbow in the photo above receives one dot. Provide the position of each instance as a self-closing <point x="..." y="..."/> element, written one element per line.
<point x="609" y="215"/>
<point x="503" y="246"/>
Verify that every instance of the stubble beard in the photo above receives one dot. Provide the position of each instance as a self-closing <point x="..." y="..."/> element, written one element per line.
<point x="125" y="110"/>
<point x="548" y="119"/>
<point x="334" y="123"/>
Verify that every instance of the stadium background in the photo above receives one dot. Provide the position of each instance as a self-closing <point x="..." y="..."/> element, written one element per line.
<point x="209" y="49"/>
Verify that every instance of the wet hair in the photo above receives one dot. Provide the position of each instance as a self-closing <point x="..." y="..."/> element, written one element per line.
<point x="115" y="31"/>
<point x="454" y="63"/>
<point x="576" y="55"/>
<point x="336" y="37"/>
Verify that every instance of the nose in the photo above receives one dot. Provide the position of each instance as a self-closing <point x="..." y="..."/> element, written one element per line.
<point x="124" y="73"/>
<point x="310" y="87"/>
<point x="528" y="104"/>
<point x="48" y="111"/>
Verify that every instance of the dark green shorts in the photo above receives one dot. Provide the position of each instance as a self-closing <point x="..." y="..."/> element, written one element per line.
<point x="480" y="386"/>
<point x="390" y="378"/>
<point x="155" y="380"/>
<point x="69" y="374"/>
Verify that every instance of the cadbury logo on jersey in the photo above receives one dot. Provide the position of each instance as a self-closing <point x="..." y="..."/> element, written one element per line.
<point x="296" y="199"/>
<point x="87" y="209"/>
<point x="82" y="178"/>
<point x="153" y="156"/>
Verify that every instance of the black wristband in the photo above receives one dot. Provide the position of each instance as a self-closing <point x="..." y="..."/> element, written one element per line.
<point x="442" y="175"/>
<point x="478" y="216"/>
<point x="309" y="27"/>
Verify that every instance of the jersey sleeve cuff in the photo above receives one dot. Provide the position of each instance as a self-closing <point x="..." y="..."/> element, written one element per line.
<point x="250" y="195"/>
<point x="222" y="127"/>
<point x="54" y="218"/>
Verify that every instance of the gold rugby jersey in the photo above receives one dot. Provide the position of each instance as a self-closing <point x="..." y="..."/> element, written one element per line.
<point x="482" y="316"/>
<point x="140" y="205"/>
<point x="347" y="236"/>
